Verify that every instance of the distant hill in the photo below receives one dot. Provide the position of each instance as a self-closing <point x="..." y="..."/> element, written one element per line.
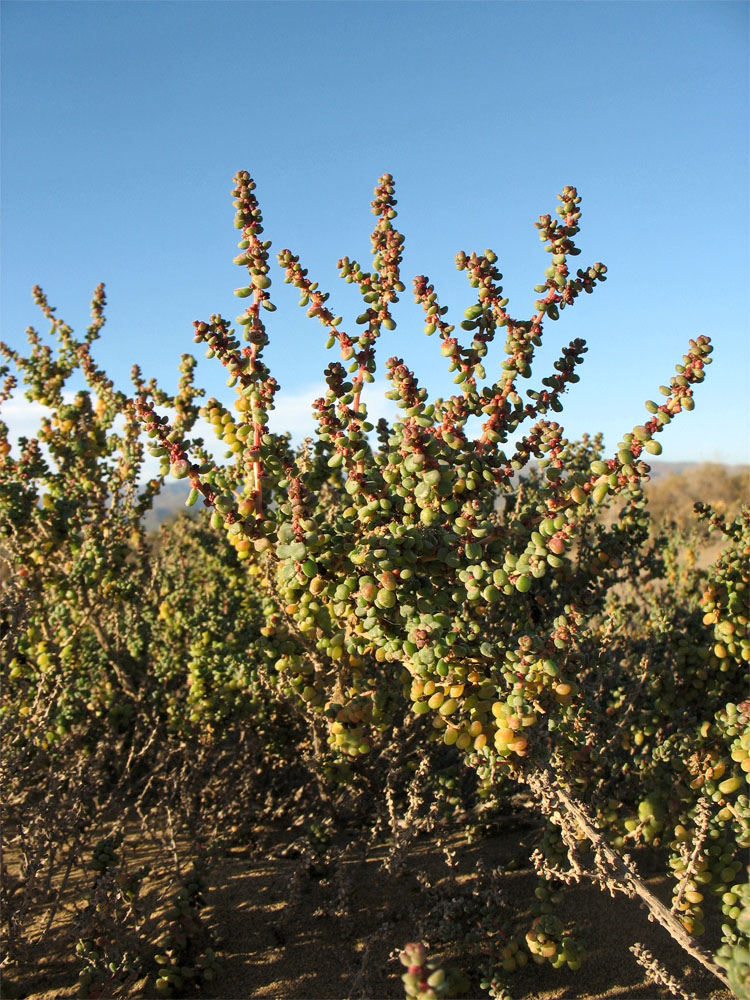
<point x="169" y="503"/>
<point x="662" y="470"/>
<point x="676" y="486"/>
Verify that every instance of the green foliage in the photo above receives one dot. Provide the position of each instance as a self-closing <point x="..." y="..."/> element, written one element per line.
<point x="382" y="591"/>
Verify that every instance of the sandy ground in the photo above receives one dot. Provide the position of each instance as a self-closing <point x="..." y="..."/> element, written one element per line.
<point x="294" y="926"/>
<point x="339" y="935"/>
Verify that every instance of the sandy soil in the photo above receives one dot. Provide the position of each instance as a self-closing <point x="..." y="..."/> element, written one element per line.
<point x="295" y="924"/>
<point x="296" y="930"/>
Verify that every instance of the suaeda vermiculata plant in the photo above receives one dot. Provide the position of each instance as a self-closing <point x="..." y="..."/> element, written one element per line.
<point x="390" y="565"/>
<point x="488" y="582"/>
<point x="93" y="682"/>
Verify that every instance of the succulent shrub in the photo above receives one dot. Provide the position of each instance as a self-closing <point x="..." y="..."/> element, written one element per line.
<point x="408" y="560"/>
<point x="497" y="590"/>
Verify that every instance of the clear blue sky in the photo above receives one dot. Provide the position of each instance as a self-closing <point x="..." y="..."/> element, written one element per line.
<point x="123" y="123"/>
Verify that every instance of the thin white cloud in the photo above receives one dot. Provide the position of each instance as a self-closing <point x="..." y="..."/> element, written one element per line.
<point x="293" y="410"/>
<point x="23" y="418"/>
<point x="293" y="413"/>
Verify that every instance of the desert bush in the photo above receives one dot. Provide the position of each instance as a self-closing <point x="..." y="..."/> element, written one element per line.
<point x="352" y="604"/>
<point x="120" y="718"/>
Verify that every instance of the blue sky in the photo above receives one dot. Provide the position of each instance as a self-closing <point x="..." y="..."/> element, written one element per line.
<point x="124" y="122"/>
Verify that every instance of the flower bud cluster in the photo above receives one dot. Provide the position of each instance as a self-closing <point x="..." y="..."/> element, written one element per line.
<point x="425" y="978"/>
<point x="548" y="942"/>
